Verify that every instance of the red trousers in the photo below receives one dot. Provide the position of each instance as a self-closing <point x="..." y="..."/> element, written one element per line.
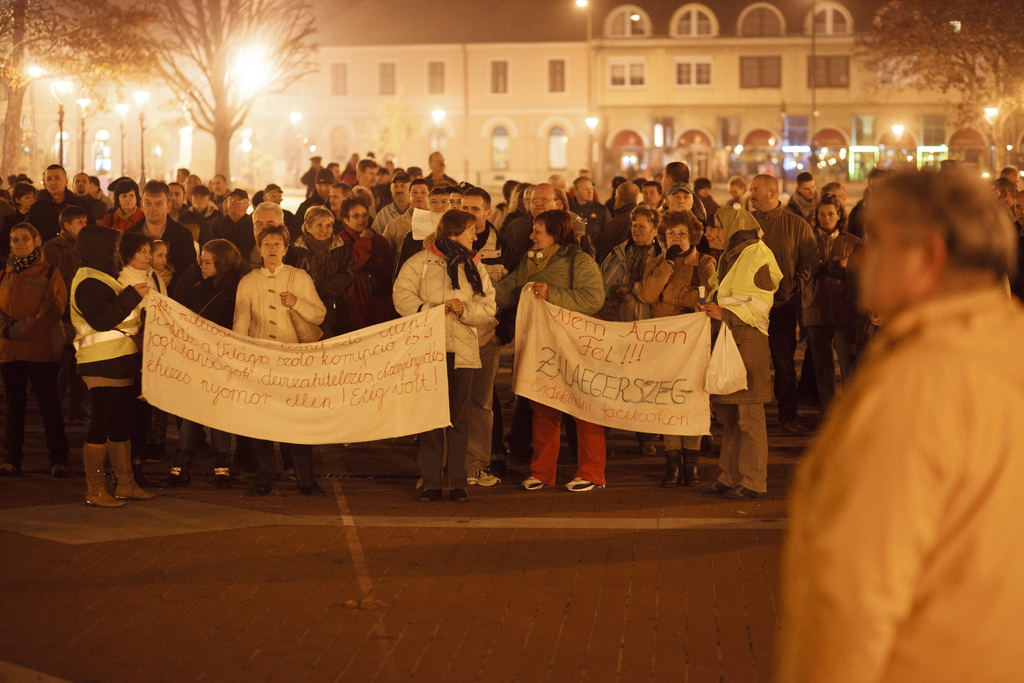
<point x="547" y="430"/>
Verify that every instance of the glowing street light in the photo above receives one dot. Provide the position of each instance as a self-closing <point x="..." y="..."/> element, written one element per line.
<point x="34" y="72"/>
<point x="438" y="115"/>
<point x="251" y="69"/>
<point x="581" y="3"/>
<point x="592" y="122"/>
<point x="296" y="117"/>
<point x="897" y="130"/>
<point x="991" y="114"/>
<point x="141" y="98"/>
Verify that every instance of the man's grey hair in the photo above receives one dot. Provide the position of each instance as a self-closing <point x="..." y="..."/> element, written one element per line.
<point x="957" y="206"/>
<point x="270" y="207"/>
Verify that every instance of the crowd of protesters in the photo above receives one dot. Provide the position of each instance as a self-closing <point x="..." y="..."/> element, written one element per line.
<point x="80" y="265"/>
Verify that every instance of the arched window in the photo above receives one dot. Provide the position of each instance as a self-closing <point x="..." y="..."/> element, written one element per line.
<point x="499" y="149"/>
<point x="627" y="21"/>
<point x="693" y="21"/>
<point x="101" y="150"/>
<point x="558" y="149"/>
<point x="761" y="19"/>
<point x="831" y="19"/>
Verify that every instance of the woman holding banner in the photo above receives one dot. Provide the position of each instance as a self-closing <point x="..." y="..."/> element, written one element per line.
<point x="560" y="273"/>
<point x="263" y="310"/>
<point x="449" y="273"/>
<point x="671" y="286"/>
<point x="744" y="291"/>
<point x="106" y="318"/>
<point x="208" y="289"/>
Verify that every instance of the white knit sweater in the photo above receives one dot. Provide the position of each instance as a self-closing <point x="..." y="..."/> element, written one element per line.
<point x="259" y="312"/>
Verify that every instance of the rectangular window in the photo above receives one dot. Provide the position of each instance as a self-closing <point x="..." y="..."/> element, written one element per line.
<point x="831" y="71"/>
<point x="387" y="78"/>
<point x="499" y="78"/>
<point x="693" y="72"/>
<point x="760" y="72"/>
<point x="435" y="78"/>
<point x="627" y="72"/>
<point x="339" y="80"/>
<point x="933" y="130"/>
<point x="556" y="75"/>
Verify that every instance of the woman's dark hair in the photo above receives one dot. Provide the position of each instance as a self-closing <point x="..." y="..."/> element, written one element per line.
<point x="832" y="200"/>
<point x="453" y="223"/>
<point x="20" y="190"/>
<point x="97" y="248"/>
<point x="226" y="259"/>
<point x="126" y="186"/>
<point x="350" y="203"/>
<point x="559" y="225"/>
<point x="131" y="243"/>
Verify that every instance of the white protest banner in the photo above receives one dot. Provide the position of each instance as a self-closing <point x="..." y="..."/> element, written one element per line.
<point x="379" y="382"/>
<point x="646" y="376"/>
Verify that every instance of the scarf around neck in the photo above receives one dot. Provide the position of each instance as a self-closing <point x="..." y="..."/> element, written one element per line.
<point x="537" y="261"/>
<point x="22" y="263"/>
<point x="456" y="254"/>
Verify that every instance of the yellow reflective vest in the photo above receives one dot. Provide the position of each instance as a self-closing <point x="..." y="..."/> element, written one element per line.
<point x="92" y="345"/>
<point x="737" y="291"/>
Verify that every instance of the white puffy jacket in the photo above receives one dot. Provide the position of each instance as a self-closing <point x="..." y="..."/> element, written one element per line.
<point x="423" y="282"/>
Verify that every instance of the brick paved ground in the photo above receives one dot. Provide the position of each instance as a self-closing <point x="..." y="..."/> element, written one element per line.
<point x="633" y="583"/>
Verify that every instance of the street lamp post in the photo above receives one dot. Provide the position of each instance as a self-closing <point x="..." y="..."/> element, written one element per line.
<point x="141" y="97"/>
<point x="60" y="90"/>
<point x="82" y="102"/>
<point x="991" y="115"/>
<point x="122" y="109"/>
<point x="296" y="118"/>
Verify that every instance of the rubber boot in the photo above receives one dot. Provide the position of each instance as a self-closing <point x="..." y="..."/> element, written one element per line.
<point x="95" y="479"/>
<point x="121" y="460"/>
<point x="179" y="476"/>
<point x="671" y="479"/>
<point x="690" y="460"/>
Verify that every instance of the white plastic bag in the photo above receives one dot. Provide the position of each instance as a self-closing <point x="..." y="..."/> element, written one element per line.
<point x="726" y="372"/>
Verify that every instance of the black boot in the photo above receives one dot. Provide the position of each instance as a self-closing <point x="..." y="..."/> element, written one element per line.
<point x="140" y="477"/>
<point x="690" y="460"/>
<point x="179" y="477"/>
<point x="671" y="479"/>
<point x="222" y="477"/>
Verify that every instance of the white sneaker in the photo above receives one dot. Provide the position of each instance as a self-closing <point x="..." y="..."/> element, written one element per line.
<point x="532" y="484"/>
<point x="578" y="485"/>
<point x="483" y="478"/>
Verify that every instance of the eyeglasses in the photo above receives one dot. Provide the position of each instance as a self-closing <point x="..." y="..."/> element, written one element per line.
<point x="541" y="200"/>
<point x="677" y="233"/>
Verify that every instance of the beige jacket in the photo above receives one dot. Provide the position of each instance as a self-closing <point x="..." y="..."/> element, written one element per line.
<point x="905" y="557"/>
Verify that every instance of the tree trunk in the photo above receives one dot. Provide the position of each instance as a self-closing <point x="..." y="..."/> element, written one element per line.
<point x="222" y="134"/>
<point x="16" y="86"/>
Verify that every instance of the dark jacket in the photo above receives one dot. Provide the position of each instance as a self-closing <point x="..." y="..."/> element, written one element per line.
<point x="181" y="248"/>
<point x="332" y="289"/>
<point x="828" y="296"/>
<point x="62" y="252"/>
<point x="239" y="234"/>
<point x="791" y="241"/>
<point x="517" y="240"/>
<point x="45" y="212"/>
<point x="212" y="300"/>
<point x="369" y="297"/>
<point x="595" y="216"/>
<point x="614" y="233"/>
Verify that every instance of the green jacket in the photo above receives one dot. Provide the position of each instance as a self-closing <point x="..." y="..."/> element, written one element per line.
<point x="585" y="295"/>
